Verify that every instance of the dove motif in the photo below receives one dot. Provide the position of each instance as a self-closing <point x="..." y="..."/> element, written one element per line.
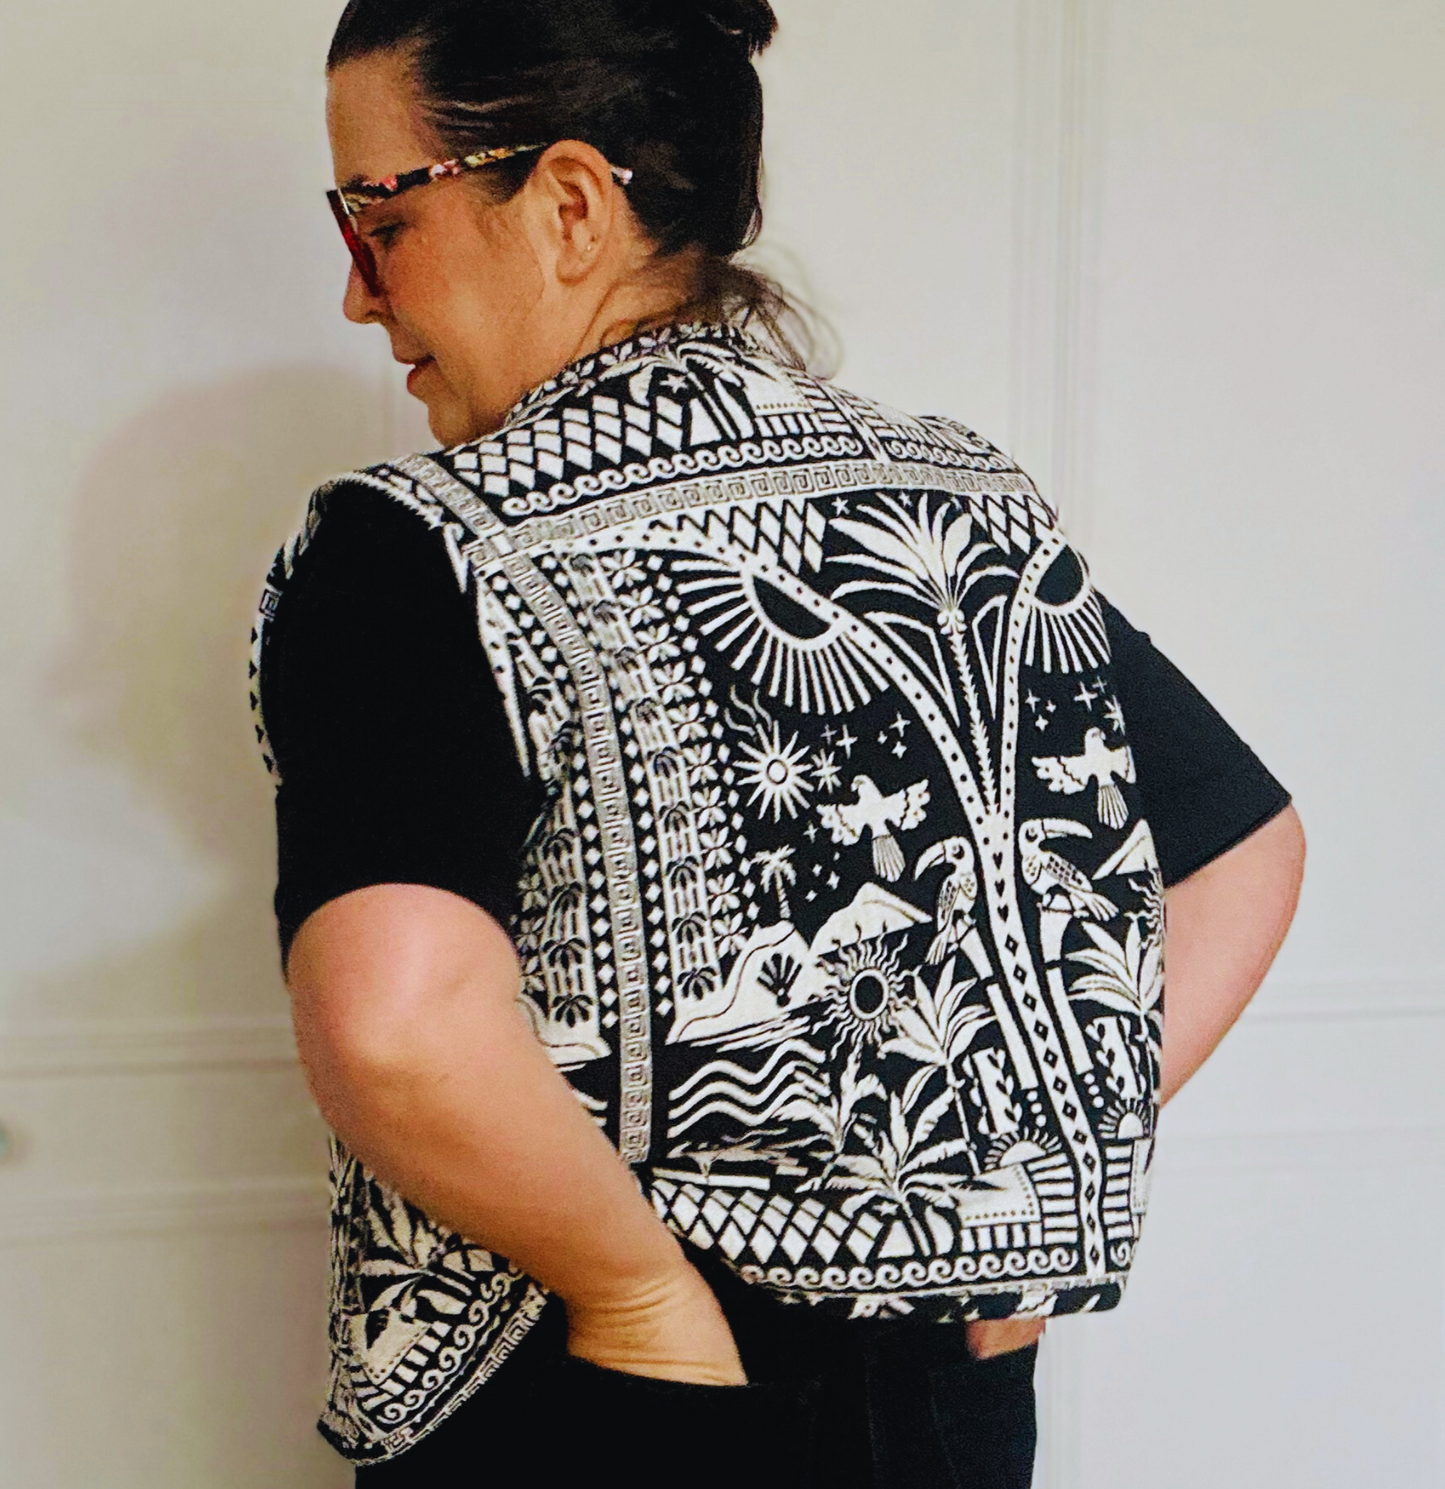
<point x="1070" y="774"/>
<point x="881" y="815"/>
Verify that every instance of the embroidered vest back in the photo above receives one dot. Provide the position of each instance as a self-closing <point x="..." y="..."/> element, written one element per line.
<point x="841" y="917"/>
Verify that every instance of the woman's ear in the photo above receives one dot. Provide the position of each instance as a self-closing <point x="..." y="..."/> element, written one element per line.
<point x="579" y="202"/>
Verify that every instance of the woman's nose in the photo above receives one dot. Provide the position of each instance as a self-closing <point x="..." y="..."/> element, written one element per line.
<point x="359" y="304"/>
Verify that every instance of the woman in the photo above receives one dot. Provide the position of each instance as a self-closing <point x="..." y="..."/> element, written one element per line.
<point x="722" y="905"/>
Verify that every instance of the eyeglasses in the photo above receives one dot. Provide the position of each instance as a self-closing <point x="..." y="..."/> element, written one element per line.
<point x="347" y="201"/>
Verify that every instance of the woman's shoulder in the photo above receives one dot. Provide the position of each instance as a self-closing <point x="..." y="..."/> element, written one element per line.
<point x="371" y="513"/>
<point x="361" y="530"/>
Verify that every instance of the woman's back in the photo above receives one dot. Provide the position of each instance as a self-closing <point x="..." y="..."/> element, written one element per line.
<point x="839" y="911"/>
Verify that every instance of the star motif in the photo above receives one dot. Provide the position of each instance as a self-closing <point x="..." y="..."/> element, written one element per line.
<point x="846" y="742"/>
<point x="900" y="724"/>
<point x="833" y="881"/>
<point x="1033" y="701"/>
<point x="883" y="737"/>
<point x="817" y="870"/>
<point x="1114" y="714"/>
<point x="900" y="749"/>
<point x="1053" y="707"/>
<point x="1085" y="697"/>
<point x="674" y="382"/>
<point x="840" y="506"/>
<point x="1041" y="724"/>
<point x="830" y="734"/>
<point x="811" y="831"/>
<point x="825" y="770"/>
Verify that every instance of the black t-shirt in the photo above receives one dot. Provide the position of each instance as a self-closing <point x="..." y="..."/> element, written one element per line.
<point x="398" y="764"/>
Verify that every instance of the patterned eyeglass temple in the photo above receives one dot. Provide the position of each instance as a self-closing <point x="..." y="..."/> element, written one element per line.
<point x="347" y="201"/>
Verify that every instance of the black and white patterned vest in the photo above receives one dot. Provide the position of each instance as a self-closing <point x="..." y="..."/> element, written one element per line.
<point x="841" y="918"/>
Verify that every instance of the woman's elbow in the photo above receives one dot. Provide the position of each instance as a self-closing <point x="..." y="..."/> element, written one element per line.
<point x="356" y="1052"/>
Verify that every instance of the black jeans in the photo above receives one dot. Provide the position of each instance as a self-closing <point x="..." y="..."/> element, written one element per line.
<point x="832" y="1404"/>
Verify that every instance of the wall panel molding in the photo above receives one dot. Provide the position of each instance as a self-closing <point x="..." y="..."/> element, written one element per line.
<point x="88" y="1214"/>
<point x="1056" y="186"/>
<point x="113" y="1047"/>
<point x="1189" y="1156"/>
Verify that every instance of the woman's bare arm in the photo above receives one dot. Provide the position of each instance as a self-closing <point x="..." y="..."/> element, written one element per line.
<point x="1224" y="927"/>
<point x="422" y="1061"/>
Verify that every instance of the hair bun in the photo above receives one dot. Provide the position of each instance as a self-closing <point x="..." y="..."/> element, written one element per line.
<point x="749" y="22"/>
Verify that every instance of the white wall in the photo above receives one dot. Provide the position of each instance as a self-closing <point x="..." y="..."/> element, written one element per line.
<point x="1185" y="260"/>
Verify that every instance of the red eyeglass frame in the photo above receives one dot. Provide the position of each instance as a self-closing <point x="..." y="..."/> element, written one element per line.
<point x="347" y="201"/>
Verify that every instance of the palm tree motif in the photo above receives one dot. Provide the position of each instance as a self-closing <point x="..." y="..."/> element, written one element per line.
<point x="928" y="558"/>
<point x="685" y="880"/>
<point x="564" y="912"/>
<point x="937" y="1029"/>
<point x="691" y="931"/>
<point x="778" y="975"/>
<point x="724" y="394"/>
<point x="776" y="872"/>
<point x="569" y="1002"/>
<point x="557" y="854"/>
<point x="1127" y="976"/>
<point x="697" y="982"/>
<point x="834" y="1114"/>
<point x="898" y="1166"/>
<point x="413" y="1269"/>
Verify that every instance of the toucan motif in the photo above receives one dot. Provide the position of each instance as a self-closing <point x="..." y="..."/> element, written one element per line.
<point x="957" y="895"/>
<point x="1058" y="883"/>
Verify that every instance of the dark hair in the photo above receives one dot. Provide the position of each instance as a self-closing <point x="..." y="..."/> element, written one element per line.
<point x="666" y="88"/>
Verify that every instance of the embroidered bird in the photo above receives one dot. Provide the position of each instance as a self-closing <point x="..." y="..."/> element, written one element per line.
<point x="1069" y="774"/>
<point x="1053" y="877"/>
<point x="881" y="815"/>
<point x="957" y="895"/>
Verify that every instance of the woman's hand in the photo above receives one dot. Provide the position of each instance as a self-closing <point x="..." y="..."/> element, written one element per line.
<point x="671" y="1329"/>
<point x="990" y="1337"/>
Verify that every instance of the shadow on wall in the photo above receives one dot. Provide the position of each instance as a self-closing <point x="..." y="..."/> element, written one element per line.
<point x="175" y="527"/>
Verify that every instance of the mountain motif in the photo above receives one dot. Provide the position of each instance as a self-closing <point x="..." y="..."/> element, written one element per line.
<point x="1137" y="855"/>
<point x="875" y="912"/>
<point x="775" y="974"/>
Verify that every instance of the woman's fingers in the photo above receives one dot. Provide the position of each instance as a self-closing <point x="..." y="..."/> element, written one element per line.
<point x="988" y="1338"/>
<point x="676" y="1332"/>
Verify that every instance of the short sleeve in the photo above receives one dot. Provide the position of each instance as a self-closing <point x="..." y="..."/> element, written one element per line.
<point x="1203" y="789"/>
<point x="396" y="758"/>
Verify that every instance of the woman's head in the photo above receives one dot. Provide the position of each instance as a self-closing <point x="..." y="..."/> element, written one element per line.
<point x="494" y="280"/>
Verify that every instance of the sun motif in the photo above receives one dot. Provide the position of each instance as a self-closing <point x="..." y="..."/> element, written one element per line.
<point x="1127" y="1119"/>
<point x="1065" y="630"/>
<point x="810" y="663"/>
<point x="864" y="987"/>
<point x="777" y="772"/>
<point x="1020" y="1147"/>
